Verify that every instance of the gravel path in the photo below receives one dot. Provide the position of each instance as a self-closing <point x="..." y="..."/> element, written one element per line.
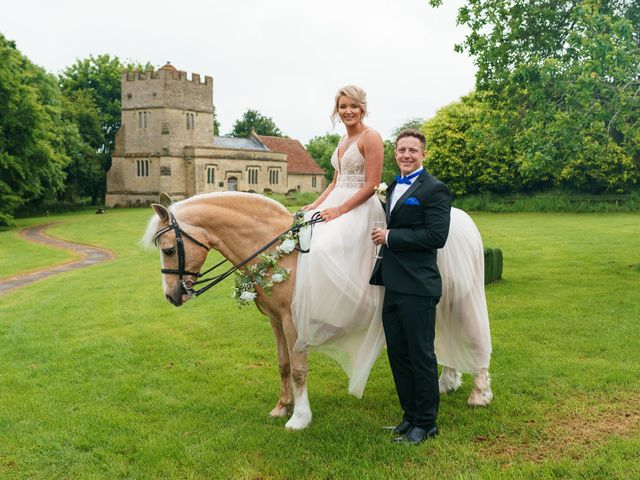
<point x="88" y="256"/>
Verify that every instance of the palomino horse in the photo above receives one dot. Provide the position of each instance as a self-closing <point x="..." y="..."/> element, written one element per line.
<point x="237" y="225"/>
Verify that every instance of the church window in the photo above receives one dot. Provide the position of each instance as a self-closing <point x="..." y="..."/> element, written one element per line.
<point x="313" y="181"/>
<point x="144" y="116"/>
<point x="253" y="175"/>
<point x="142" y="168"/>
<point x="139" y="119"/>
<point x="273" y="177"/>
<point x="190" y="121"/>
<point x="211" y="175"/>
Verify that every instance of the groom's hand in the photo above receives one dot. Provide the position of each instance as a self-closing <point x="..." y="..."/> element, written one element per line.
<point x="379" y="236"/>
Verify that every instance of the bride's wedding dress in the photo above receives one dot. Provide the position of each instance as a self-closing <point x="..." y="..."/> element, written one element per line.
<point x="334" y="308"/>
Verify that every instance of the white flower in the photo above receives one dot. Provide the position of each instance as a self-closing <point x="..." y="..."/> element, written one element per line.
<point x="382" y="188"/>
<point x="247" y="296"/>
<point x="381" y="191"/>
<point x="277" y="278"/>
<point x="287" y="246"/>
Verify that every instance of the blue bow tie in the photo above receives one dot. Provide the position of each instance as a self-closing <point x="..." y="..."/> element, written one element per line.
<point x="407" y="180"/>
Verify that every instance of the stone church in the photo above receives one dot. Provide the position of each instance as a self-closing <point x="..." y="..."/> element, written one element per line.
<point x="166" y="144"/>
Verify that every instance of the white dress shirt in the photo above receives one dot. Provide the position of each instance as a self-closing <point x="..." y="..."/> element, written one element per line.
<point x="397" y="193"/>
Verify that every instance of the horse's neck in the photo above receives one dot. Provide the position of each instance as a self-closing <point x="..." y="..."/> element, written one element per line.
<point x="238" y="228"/>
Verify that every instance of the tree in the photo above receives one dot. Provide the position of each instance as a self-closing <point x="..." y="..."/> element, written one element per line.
<point x="415" y="123"/>
<point x="32" y="132"/>
<point x="95" y="82"/>
<point x="321" y="149"/>
<point x="565" y="75"/>
<point x="254" y="121"/>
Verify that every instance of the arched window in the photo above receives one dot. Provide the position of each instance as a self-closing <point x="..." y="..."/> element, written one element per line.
<point x="232" y="184"/>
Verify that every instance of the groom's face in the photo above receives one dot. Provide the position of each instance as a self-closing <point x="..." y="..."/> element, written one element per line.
<point x="409" y="154"/>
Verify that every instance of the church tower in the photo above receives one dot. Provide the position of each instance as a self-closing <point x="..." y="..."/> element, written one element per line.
<point x="163" y="112"/>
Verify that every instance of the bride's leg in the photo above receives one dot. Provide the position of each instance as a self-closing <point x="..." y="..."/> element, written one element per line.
<point x="301" y="409"/>
<point x="285" y="401"/>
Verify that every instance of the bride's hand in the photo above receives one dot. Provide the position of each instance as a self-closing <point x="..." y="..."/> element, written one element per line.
<point x="330" y="214"/>
<point x="311" y="206"/>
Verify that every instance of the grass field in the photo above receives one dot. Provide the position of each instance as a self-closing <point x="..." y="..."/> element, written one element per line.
<point x="101" y="378"/>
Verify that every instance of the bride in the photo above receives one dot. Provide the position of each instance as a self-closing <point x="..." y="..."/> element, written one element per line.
<point x="335" y="309"/>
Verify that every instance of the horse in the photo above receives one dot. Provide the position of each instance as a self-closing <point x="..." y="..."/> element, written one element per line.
<point x="238" y="224"/>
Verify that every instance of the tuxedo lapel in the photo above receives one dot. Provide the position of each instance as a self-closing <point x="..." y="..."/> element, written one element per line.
<point x="387" y="205"/>
<point x="414" y="186"/>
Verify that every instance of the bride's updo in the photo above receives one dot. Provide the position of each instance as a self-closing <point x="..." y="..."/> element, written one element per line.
<point x="356" y="94"/>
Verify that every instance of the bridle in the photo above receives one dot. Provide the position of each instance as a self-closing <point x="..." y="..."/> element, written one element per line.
<point x="187" y="284"/>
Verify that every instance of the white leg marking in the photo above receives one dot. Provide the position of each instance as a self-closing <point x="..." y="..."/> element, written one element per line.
<point x="481" y="394"/>
<point x="450" y="380"/>
<point x="301" y="417"/>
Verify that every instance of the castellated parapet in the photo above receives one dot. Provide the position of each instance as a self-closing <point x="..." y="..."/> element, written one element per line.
<point x="167" y="88"/>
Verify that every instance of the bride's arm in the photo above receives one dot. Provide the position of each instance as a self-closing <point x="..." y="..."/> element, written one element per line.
<point x="373" y="152"/>
<point x="325" y="194"/>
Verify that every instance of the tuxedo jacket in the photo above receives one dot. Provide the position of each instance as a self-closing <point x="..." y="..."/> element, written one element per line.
<point x="418" y="225"/>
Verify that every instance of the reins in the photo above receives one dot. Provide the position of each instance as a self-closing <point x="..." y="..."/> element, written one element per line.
<point x="188" y="285"/>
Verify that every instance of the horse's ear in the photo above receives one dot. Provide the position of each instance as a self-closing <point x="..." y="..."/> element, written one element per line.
<point x="161" y="211"/>
<point x="165" y="199"/>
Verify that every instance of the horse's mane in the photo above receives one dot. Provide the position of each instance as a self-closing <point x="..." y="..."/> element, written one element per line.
<point x="230" y="199"/>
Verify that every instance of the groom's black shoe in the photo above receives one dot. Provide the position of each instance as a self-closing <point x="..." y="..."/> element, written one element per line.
<point x="417" y="435"/>
<point x="403" y="427"/>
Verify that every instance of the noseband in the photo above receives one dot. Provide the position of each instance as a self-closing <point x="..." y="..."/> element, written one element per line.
<point x="181" y="272"/>
<point x="187" y="285"/>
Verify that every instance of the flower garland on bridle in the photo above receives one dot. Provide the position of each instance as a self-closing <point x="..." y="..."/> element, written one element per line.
<point x="267" y="271"/>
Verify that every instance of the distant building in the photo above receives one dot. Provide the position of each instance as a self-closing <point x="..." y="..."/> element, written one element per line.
<point x="166" y="144"/>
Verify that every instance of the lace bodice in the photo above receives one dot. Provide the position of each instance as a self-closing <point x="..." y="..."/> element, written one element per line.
<point x="350" y="167"/>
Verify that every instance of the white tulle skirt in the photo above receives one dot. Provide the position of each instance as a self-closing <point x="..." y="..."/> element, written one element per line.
<point x="334" y="308"/>
<point x="463" y="340"/>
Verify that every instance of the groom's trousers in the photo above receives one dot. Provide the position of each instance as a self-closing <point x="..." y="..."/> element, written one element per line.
<point x="409" y="328"/>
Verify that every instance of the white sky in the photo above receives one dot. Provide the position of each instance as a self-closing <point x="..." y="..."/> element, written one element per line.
<point x="285" y="58"/>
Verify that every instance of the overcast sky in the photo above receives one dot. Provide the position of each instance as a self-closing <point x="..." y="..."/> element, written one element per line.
<point x="285" y="58"/>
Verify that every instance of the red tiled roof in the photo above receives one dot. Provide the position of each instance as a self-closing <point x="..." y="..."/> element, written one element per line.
<point x="298" y="159"/>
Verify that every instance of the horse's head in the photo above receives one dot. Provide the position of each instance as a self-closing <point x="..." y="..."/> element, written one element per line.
<point x="182" y="254"/>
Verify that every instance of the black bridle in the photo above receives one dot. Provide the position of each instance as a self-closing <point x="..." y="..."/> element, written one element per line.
<point x="187" y="284"/>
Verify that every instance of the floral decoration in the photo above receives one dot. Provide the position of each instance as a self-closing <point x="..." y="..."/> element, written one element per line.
<point x="267" y="271"/>
<point x="381" y="191"/>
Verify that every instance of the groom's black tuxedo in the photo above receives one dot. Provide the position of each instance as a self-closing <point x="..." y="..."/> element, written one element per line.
<point x="418" y="225"/>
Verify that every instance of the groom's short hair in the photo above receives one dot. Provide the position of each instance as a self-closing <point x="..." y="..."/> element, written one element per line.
<point x="412" y="132"/>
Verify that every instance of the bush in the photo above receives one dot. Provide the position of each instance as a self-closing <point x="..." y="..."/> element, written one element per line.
<point x="492" y="265"/>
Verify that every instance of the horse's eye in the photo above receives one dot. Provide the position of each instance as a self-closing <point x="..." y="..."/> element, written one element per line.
<point x="169" y="251"/>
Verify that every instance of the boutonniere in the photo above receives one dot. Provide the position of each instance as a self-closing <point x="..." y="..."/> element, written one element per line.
<point x="381" y="191"/>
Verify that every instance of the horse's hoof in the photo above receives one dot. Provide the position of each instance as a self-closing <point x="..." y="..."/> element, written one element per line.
<point x="481" y="394"/>
<point x="280" y="410"/>
<point x="450" y="380"/>
<point x="298" y="421"/>
<point x="480" y="398"/>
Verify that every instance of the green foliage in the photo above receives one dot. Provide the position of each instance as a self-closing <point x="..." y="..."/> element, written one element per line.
<point x="492" y="265"/>
<point x="557" y="95"/>
<point x="92" y="89"/>
<point x="254" y="121"/>
<point x="33" y="133"/>
<point x="549" y="202"/>
<point x="321" y="149"/>
<point x="414" y="123"/>
<point x="389" y="166"/>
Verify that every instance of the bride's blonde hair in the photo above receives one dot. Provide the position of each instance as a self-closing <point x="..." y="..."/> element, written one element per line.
<point x="356" y="94"/>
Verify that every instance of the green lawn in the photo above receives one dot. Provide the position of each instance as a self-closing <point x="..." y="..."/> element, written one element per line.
<point x="102" y="378"/>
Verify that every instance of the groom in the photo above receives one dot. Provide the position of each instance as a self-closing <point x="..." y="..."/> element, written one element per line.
<point x="418" y="209"/>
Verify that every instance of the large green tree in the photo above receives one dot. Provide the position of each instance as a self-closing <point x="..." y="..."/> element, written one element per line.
<point x="254" y="121"/>
<point x="564" y="75"/>
<point x="92" y="89"/>
<point x="33" y="134"/>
